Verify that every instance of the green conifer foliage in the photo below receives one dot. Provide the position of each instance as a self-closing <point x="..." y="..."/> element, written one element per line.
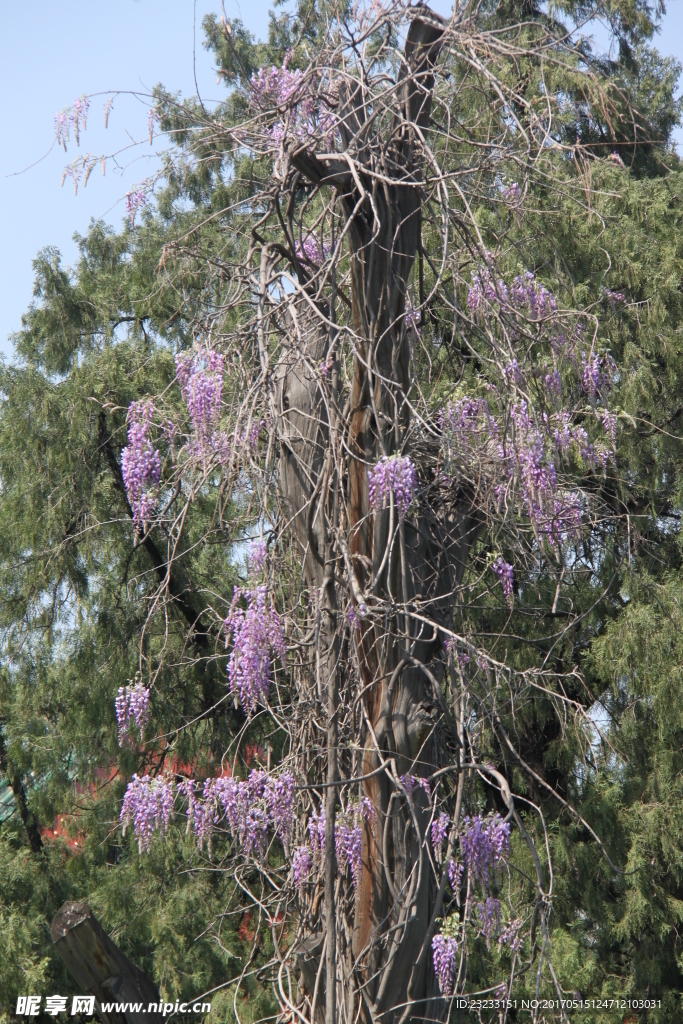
<point x="81" y="614"/>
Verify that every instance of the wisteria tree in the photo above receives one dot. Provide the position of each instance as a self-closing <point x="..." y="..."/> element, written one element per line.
<point x="390" y="416"/>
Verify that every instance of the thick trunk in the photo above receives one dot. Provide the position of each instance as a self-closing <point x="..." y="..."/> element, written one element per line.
<point x="395" y="895"/>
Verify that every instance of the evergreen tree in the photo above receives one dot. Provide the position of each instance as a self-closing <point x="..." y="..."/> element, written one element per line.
<point x="565" y="662"/>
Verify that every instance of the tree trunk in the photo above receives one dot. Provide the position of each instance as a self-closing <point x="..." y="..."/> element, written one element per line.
<point x="99" y="968"/>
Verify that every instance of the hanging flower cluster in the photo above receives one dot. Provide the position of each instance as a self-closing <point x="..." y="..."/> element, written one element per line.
<point x="70" y="119"/>
<point x="525" y="294"/>
<point x="526" y="460"/>
<point x="256" y="636"/>
<point x="412" y="316"/>
<point x="505" y="571"/>
<point x="277" y="88"/>
<point x="411" y="781"/>
<point x="597" y="373"/>
<point x="489" y="915"/>
<point x="313" y="250"/>
<point x="444" y="952"/>
<point x="250" y="807"/>
<point x="200" y="376"/>
<point x="301" y="865"/>
<point x="132" y="705"/>
<point x="392" y="473"/>
<point x="455" y="873"/>
<point x="135" y="200"/>
<point x="439" y="832"/>
<point x="257" y="556"/>
<point x="485" y="843"/>
<point x="140" y="463"/>
<point x="348" y="840"/>
<point x="148" y="803"/>
<point x="531" y="448"/>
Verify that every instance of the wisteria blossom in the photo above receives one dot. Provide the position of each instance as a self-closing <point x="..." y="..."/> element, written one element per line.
<point x="614" y="297"/>
<point x="505" y="571"/>
<point x="141" y="463"/>
<point x="411" y="781"/>
<point x="293" y="96"/>
<point x="148" y="804"/>
<point x="455" y="873"/>
<point x="257" y="636"/>
<point x="136" y="199"/>
<point x="132" y="705"/>
<point x="74" y="118"/>
<point x="439" y="831"/>
<point x="301" y="865"/>
<point x="316" y="830"/>
<point x="485" y="843"/>
<point x="200" y="376"/>
<point x="257" y="556"/>
<point x="525" y="294"/>
<point x="250" y="807"/>
<point x="525" y="459"/>
<point x="348" y="836"/>
<point x="395" y="474"/>
<point x="313" y="251"/>
<point x="488" y="917"/>
<point x="354" y="618"/>
<point x="444" y="953"/>
<point x="412" y="316"/>
<point x="597" y="373"/>
<point x="348" y="843"/>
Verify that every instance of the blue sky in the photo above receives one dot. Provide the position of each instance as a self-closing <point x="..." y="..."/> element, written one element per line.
<point x="51" y="53"/>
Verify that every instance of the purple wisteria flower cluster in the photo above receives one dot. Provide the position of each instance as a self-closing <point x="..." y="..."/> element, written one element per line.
<point x="348" y="840"/>
<point x="489" y="920"/>
<point x="257" y="556"/>
<point x="257" y="635"/>
<point x="148" y="804"/>
<point x="512" y="193"/>
<point x="467" y="419"/>
<point x="313" y="250"/>
<point x="284" y="90"/>
<point x="132" y="705"/>
<point x="526" y="460"/>
<point x="452" y="646"/>
<point x="316" y="830"/>
<point x="439" y="832"/>
<point x="505" y="571"/>
<point x="140" y="463"/>
<point x="411" y="781"/>
<point x="395" y="474"/>
<point x="249" y="807"/>
<point x="444" y="953"/>
<point x="200" y="376"/>
<point x="525" y="294"/>
<point x="135" y="200"/>
<point x="485" y="843"/>
<point x="301" y="865"/>
<point x="597" y="373"/>
<point x="489" y="917"/>
<point x="455" y="873"/>
<point x="614" y="297"/>
<point x="348" y="845"/>
<point x="74" y="118"/>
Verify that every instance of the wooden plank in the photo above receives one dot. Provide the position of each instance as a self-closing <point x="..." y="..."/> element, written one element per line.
<point x="99" y="968"/>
